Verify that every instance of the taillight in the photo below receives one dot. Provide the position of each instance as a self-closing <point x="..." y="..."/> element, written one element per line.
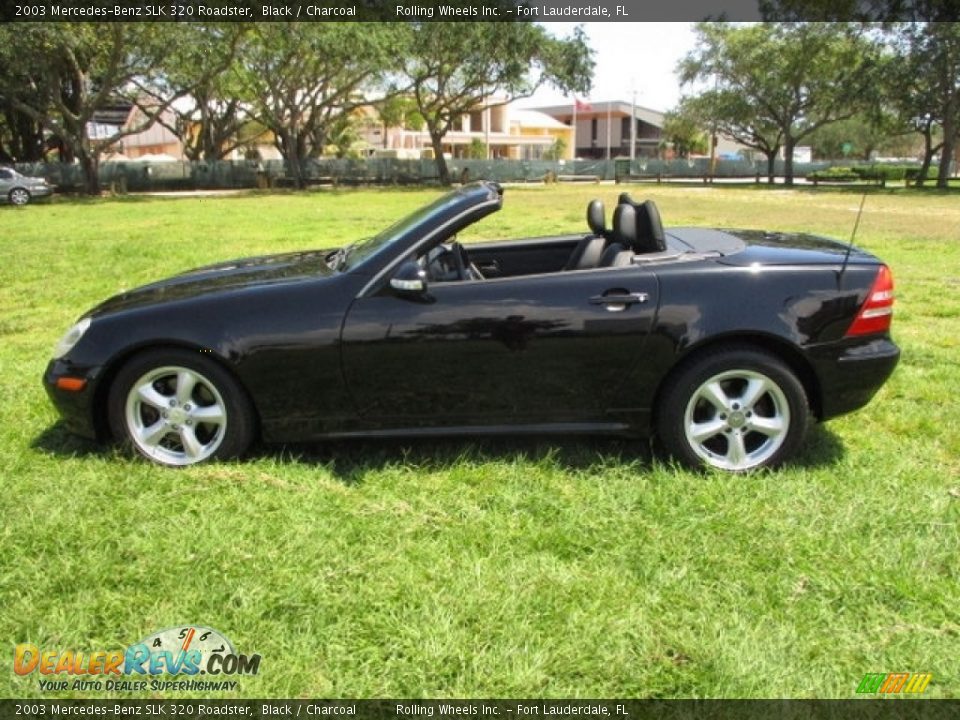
<point x="877" y="310"/>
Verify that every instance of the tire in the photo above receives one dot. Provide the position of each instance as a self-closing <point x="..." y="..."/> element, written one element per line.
<point x="738" y="409"/>
<point x="178" y="408"/>
<point x="19" y="196"/>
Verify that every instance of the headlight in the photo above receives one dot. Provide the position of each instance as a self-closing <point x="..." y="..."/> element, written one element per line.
<point x="71" y="338"/>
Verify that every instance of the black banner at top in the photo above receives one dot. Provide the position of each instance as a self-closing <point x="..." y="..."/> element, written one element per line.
<point x="477" y="10"/>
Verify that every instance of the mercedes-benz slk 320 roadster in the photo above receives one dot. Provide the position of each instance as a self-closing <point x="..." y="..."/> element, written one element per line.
<point x="723" y="344"/>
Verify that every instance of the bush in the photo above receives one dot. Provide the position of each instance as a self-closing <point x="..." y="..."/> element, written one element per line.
<point x="914" y="172"/>
<point x="837" y="172"/>
<point x="874" y="172"/>
<point x="882" y="172"/>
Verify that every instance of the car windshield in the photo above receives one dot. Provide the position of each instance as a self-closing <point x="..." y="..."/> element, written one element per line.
<point x="351" y="256"/>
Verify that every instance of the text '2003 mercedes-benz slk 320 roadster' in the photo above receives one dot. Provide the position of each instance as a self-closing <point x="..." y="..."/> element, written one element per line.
<point x="723" y="344"/>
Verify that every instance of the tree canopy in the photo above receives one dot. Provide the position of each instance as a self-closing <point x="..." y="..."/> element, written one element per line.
<point x="779" y="82"/>
<point x="59" y="76"/>
<point x="451" y="69"/>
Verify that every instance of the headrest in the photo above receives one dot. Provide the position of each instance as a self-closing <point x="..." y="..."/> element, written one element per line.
<point x="625" y="199"/>
<point x="597" y="217"/>
<point x="625" y="225"/>
<point x="649" y="227"/>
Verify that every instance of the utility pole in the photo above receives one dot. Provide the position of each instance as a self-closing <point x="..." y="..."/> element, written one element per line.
<point x="609" y="123"/>
<point x="633" y="129"/>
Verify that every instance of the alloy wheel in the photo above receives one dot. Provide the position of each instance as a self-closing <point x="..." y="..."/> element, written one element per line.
<point x="737" y="420"/>
<point x="175" y="415"/>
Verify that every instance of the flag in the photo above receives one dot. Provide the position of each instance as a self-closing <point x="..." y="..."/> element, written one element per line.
<point x="582" y="105"/>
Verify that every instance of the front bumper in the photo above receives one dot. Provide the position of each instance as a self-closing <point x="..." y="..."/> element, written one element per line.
<point x="77" y="408"/>
<point x="851" y="374"/>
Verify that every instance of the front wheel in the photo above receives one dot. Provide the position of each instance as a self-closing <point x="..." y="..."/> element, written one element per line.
<point x="737" y="410"/>
<point x="19" y="196"/>
<point x="177" y="408"/>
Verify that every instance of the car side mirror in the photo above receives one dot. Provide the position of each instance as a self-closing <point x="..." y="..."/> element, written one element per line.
<point x="410" y="279"/>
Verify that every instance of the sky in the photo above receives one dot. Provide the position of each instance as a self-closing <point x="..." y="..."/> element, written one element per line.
<point x="628" y="56"/>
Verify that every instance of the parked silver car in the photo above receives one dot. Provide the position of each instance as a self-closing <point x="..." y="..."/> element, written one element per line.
<point x="19" y="189"/>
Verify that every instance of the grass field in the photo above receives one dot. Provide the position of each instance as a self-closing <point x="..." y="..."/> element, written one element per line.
<point x="499" y="568"/>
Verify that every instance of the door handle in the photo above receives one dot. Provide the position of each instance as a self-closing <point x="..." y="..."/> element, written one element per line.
<point x="619" y="299"/>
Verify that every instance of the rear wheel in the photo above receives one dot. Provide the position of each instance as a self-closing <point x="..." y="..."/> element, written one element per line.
<point x="737" y="410"/>
<point x="19" y="196"/>
<point x="177" y="408"/>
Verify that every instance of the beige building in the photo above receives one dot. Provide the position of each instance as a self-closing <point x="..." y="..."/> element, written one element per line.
<point x="507" y="132"/>
<point x="603" y="128"/>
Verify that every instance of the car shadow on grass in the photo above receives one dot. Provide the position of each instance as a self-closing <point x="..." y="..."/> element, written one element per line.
<point x="350" y="460"/>
<point x="820" y="448"/>
<point x="57" y="440"/>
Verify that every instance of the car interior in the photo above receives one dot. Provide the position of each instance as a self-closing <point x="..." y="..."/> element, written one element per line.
<point x="635" y="235"/>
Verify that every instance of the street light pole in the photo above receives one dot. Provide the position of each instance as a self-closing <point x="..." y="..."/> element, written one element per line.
<point x="609" y="122"/>
<point x="633" y="129"/>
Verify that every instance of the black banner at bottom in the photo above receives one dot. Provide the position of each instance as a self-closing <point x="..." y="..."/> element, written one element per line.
<point x="892" y="709"/>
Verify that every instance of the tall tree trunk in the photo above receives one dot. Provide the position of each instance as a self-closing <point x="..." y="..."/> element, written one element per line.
<point x="291" y="150"/>
<point x="27" y="144"/>
<point x="927" y="157"/>
<point x="788" y="145"/>
<point x="436" y="140"/>
<point x="946" y="149"/>
<point x="90" y="164"/>
<point x="771" y="165"/>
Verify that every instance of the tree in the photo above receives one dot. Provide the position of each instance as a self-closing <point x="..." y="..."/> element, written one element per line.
<point x="728" y="113"/>
<point x="300" y="79"/>
<point x="795" y="77"/>
<point x="856" y="137"/>
<point x="454" y="68"/>
<point x="341" y="137"/>
<point x="477" y="149"/>
<point x="398" y="110"/>
<point x="60" y="75"/>
<point x="21" y="135"/>
<point x="925" y="88"/>
<point x="556" y="151"/>
<point x="201" y="66"/>
<point x="684" y="131"/>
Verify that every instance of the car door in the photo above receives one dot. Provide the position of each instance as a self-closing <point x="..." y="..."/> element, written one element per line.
<point x="538" y="349"/>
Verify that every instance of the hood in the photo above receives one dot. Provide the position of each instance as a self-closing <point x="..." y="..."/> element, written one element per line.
<point x="223" y="277"/>
<point x="749" y="247"/>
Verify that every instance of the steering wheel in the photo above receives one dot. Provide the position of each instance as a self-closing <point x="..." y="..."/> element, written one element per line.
<point x="460" y="261"/>
<point x="449" y="261"/>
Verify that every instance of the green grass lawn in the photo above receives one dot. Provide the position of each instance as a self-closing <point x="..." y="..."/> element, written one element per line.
<point x="498" y="568"/>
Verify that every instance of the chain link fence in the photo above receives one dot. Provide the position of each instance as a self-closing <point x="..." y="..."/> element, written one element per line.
<point x="122" y="177"/>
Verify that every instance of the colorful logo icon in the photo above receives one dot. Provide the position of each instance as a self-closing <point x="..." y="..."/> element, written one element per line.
<point x="892" y="683"/>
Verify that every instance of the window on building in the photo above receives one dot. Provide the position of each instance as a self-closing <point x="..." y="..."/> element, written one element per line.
<point x="593" y="130"/>
<point x="476" y="121"/>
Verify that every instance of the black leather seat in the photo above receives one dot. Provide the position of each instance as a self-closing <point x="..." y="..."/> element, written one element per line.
<point x="588" y="252"/>
<point x="650" y="237"/>
<point x="624" y="232"/>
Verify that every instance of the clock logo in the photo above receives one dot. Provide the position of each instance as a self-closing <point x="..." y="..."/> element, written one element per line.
<point x="190" y="650"/>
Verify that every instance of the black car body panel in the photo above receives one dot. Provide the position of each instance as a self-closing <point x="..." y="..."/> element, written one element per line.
<point x="326" y="351"/>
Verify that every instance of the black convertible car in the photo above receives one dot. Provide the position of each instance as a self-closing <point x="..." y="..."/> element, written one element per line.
<point x="723" y="344"/>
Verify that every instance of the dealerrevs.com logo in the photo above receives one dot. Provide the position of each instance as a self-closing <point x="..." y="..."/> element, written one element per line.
<point x="188" y="651"/>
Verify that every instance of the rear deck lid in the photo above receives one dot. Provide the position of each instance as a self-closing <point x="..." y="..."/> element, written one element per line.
<point x="749" y="247"/>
